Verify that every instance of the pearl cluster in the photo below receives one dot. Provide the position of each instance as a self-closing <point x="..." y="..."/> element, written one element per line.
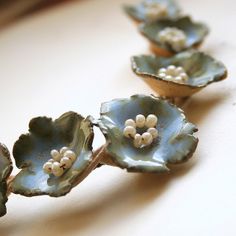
<point x="155" y="11"/>
<point x="145" y="139"/>
<point x="173" y="73"/>
<point x="60" y="161"/>
<point x="173" y="36"/>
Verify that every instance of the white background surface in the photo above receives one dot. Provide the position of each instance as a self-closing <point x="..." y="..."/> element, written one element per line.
<point x="77" y="55"/>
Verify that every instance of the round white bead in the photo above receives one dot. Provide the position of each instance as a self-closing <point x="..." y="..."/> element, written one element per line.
<point x="147" y="138"/>
<point x="178" y="78"/>
<point x="169" y="77"/>
<point x="55" y="155"/>
<point x="66" y="162"/>
<point x="184" y="76"/>
<point x="56" y="169"/>
<point x="63" y="150"/>
<point x="168" y="38"/>
<point x="140" y="121"/>
<point x="129" y="131"/>
<point x="162" y="75"/>
<point x="47" y="167"/>
<point x="155" y="11"/>
<point x="162" y="70"/>
<point x="153" y="132"/>
<point x="50" y="160"/>
<point x="130" y="122"/>
<point x="151" y="121"/>
<point x="179" y="70"/>
<point x="71" y="155"/>
<point x="171" y="70"/>
<point x="175" y="38"/>
<point x="137" y="140"/>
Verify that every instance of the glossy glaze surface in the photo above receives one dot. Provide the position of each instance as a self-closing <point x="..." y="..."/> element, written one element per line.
<point x="194" y="31"/>
<point x="137" y="12"/>
<point x="201" y="68"/>
<point x="5" y="171"/>
<point x="175" y="143"/>
<point x="32" y="150"/>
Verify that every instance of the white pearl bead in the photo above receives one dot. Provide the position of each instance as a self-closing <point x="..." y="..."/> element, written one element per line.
<point x="162" y="75"/>
<point x="153" y="132"/>
<point x="129" y="131"/>
<point x="179" y="70"/>
<point x="47" y="167"/>
<point x="175" y="39"/>
<point x="140" y="121"/>
<point x="162" y="70"/>
<point x="56" y="169"/>
<point x="130" y="122"/>
<point x="63" y="150"/>
<point x="171" y="67"/>
<point x="155" y="11"/>
<point x="147" y="138"/>
<point x="66" y="162"/>
<point x="169" y="77"/>
<point x="71" y="155"/>
<point x="137" y="140"/>
<point x="184" y="76"/>
<point x="151" y="121"/>
<point x="171" y="70"/>
<point x="55" y="155"/>
<point x="178" y="78"/>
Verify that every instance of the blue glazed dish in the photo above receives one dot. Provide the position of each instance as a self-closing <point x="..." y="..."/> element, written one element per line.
<point x="175" y="143"/>
<point x="201" y="68"/>
<point x="138" y="12"/>
<point x="32" y="150"/>
<point x="5" y="171"/>
<point x="195" y="33"/>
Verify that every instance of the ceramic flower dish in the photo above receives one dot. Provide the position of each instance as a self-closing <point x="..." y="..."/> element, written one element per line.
<point x="201" y="68"/>
<point x="5" y="171"/>
<point x="32" y="150"/>
<point x="195" y="34"/>
<point x="138" y="12"/>
<point x="174" y="145"/>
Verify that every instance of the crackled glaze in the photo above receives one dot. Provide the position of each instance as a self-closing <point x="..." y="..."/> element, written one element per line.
<point x="5" y="171"/>
<point x="174" y="144"/>
<point x="138" y="12"/>
<point x="195" y="33"/>
<point x="201" y="69"/>
<point x="32" y="150"/>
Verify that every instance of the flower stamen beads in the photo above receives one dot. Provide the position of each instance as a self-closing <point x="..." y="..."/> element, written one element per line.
<point x="155" y="11"/>
<point x="173" y="73"/>
<point x="60" y="161"/>
<point x="174" y="37"/>
<point x="140" y="122"/>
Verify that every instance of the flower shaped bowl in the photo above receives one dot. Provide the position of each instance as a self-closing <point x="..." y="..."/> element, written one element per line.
<point x="138" y="12"/>
<point x="175" y="143"/>
<point x="195" y="34"/>
<point x="32" y="150"/>
<point x="5" y="171"/>
<point x="201" y="69"/>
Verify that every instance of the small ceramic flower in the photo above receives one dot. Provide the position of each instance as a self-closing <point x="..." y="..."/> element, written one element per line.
<point x="34" y="149"/>
<point x="174" y="143"/>
<point x="151" y="10"/>
<point x="200" y="68"/>
<point x="5" y="171"/>
<point x="168" y="37"/>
